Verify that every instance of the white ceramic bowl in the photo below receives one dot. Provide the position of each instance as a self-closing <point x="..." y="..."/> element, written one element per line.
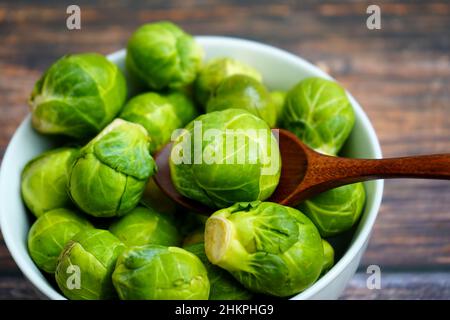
<point x="280" y="70"/>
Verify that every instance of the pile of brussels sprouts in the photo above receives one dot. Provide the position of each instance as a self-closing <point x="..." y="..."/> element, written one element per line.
<point x="104" y="230"/>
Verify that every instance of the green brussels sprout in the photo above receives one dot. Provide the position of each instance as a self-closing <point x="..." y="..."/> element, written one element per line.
<point x="49" y="234"/>
<point x="160" y="115"/>
<point x="223" y="285"/>
<point x="278" y="101"/>
<point x="146" y="226"/>
<point x="197" y="236"/>
<point x="86" y="264"/>
<point x="216" y="70"/>
<point x="77" y="96"/>
<point x="236" y="158"/>
<point x="110" y="174"/>
<point x="155" y="272"/>
<point x="336" y="210"/>
<point x="44" y="180"/>
<point x="267" y="247"/>
<point x="319" y="113"/>
<point x="328" y="255"/>
<point x="161" y="55"/>
<point x="243" y="92"/>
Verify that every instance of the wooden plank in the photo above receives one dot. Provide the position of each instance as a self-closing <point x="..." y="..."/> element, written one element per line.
<point x="401" y="286"/>
<point x="13" y="288"/>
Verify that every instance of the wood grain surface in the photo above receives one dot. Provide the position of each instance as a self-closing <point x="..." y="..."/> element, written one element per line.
<point x="399" y="74"/>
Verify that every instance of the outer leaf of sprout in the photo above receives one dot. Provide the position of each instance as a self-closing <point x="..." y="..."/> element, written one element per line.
<point x="336" y="210"/>
<point x="155" y="272"/>
<point x="44" y="180"/>
<point x="162" y="56"/>
<point x="328" y="254"/>
<point x="319" y="113"/>
<point x="111" y="172"/>
<point x="49" y="234"/>
<point x="77" y="96"/>
<point x="93" y="253"/>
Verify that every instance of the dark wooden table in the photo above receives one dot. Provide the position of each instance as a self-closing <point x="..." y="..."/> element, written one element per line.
<point x="400" y="74"/>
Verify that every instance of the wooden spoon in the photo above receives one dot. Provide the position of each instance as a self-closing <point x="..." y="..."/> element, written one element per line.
<point x="306" y="173"/>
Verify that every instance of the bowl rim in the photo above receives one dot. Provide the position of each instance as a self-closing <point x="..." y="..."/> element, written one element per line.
<point x="357" y="244"/>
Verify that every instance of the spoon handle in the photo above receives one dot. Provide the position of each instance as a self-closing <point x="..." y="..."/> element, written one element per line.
<point x="426" y="167"/>
<point x="330" y="172"/>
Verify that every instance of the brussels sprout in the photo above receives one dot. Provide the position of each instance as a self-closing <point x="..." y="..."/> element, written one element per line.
<point x="161" y="55"/>
<point x="267" y="247"/>
<point x="336" y="210"/>
<point x="319" y="113"/>
<point x="328" y="255"/>
<point x="160" y="115"/>
<point x="155" y="272"/>
<point x="85" y="266"/>
<point x="236" y="159"/>
<point x="216" y="70"/>
<point x="243" y="92"/>
<point x="197" y="236"/>
<point x="223" y="285"/>
<point x="146" y="226"/>
<point x="110" y="175"/>
<point x="49" y="234"/>
<point x="278" y="101"/>
<point x="77" y="96"/>
<point x="44" y="180"/>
